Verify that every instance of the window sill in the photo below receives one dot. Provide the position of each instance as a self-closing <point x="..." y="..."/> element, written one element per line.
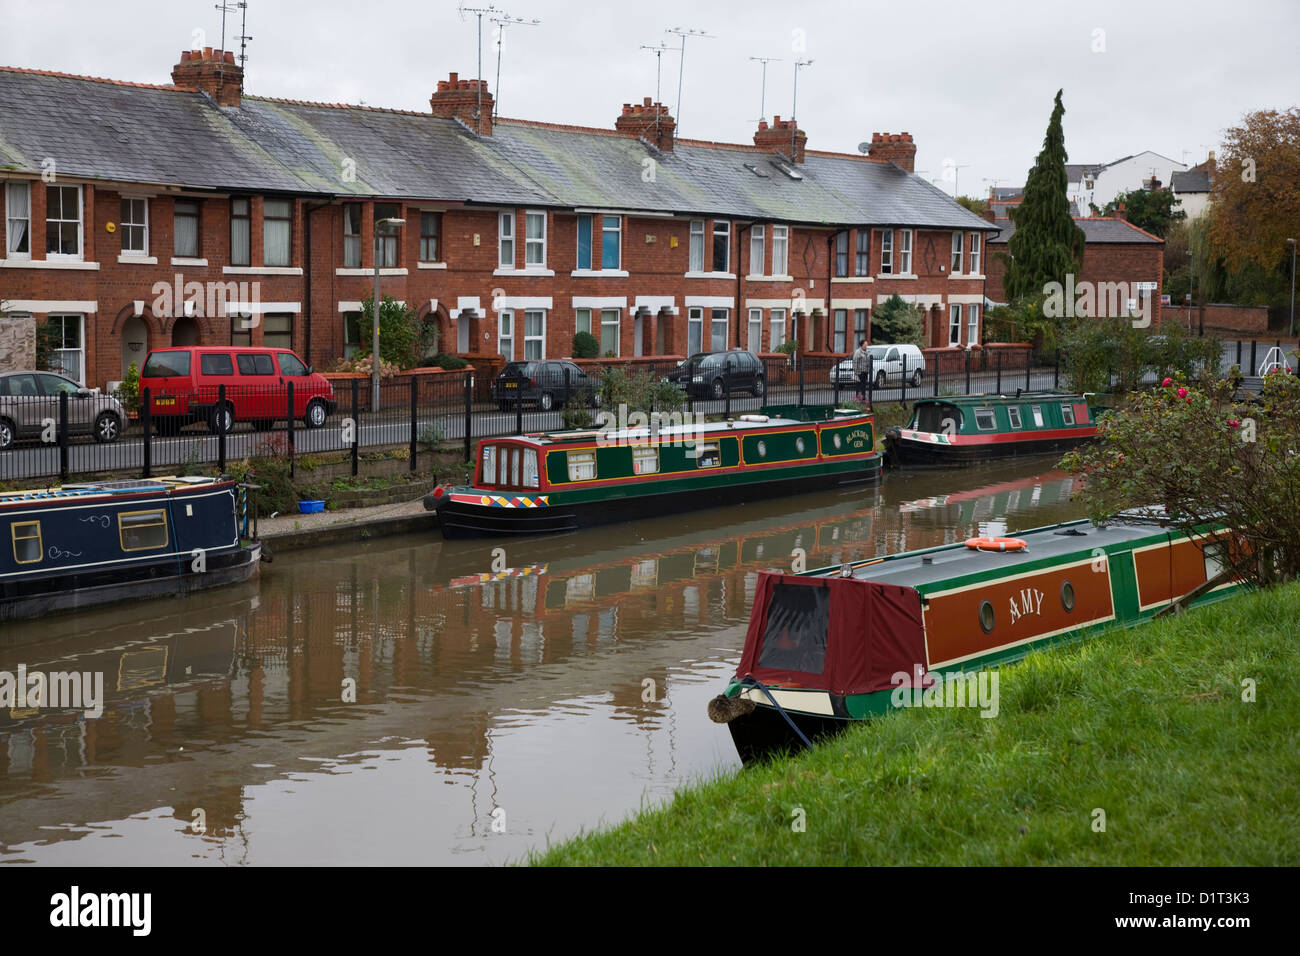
<point x="852" y="279"/>
<point x="369" y="272"/>
<point x="431" y="265"/>
<point x="966" y="275"/>
<point x="48" y="264"/>
<point x="128" y="259"/>
<point x="711" y="275"/>
<point x="181" y="261"/>
<point x="599" y="274"/>
<point x="769" y="278"/>
<point x="540" y="272"/>
<point x="261" y="270"/>
<point x="897" y="275"/>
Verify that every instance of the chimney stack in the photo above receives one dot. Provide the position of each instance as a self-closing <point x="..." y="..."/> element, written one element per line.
<point x="459" y="99"/>
<point x="649" y="121"/>
<point x="781" y="137"/>
<point x="213" y="72"/>
<point x="897" y="148"/>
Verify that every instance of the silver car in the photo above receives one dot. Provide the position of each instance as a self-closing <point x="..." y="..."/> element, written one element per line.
<point x="29" y="402"/>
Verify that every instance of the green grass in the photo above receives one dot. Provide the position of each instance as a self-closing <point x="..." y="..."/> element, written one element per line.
<point x="1147" y="724"/>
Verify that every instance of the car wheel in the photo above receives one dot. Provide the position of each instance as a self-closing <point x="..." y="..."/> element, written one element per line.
<point x="880" y="379"/>
<point x="760" y="387"/>
<point x="916" y="379"/>
<point x="7" y="434"/>
<point x="316" y="413"/>
<point x="108" y="427"/>
<point x="263" y="424"/>
<point x="222" y="416"/>
<point x="717" y="388"/>
<point x="545" y="401"/>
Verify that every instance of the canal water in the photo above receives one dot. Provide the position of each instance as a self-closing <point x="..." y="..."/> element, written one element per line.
<point x="409" y="700"/>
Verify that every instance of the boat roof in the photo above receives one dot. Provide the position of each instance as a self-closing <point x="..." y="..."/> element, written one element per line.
<point x="1000" y="397"/>
<point x="99" y="488"/>
<point x="622" y="435"/>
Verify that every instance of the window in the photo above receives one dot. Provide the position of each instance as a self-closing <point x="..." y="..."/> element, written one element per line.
<point x="862" y="260"/>
<point x="694" y="330"/>
<point x="166" y="364"/>
<point x="63" y="221"/>
<point x="954" y="324"/>
<point x="584" y="242"/>
<point x="609" y="332"/>
<point x="506" y="333"/>
<point x="757" y="254"/>
<point x="1067" y="413"/>
<point x="241" y="334"/>
<point x="1013" y="413"/>
<point x="582" y="320"/>
<point x="754" y="340"/>
<point x="956" y="253"/>
<point x="984" y="420"/>
<point x="277" y="232"/>
<point x="905" y="252"/>
<point x="708" y="455"/>
<point x="841" y="330"/>
<point x="142" y="530"/>
<point x="386" y="235"/>
<point x="135" y="226"/>
<point x="776" y="337"/>
<point x="277" y="331"/>
<point x="861" y="319"/>
<point x="535" y="239"/>
<point x="780" y="250"/>
<point x="352" y="235"/>
<point x="429" y="229"/>
<point x="697" y="246"/>
<point x="530" y="468"/>
<point x="489" y="465"/>
<point x="216" y="363"/>
<point x="291" y="365"/>
<point x="719" y="337"/>
<point x="185" y="224"/>
<point x="1038" y="415"/>
<point x="582" y="465"/>
<point x="974" y="253"/>
<point x="506" y="240"/>
<point x="26" y="537"/>
<point x="887" y="252"/>
<point x="611" y="241"/>
<point x="645" y="461"/>
<point x="241" y="231"/>
<point x="65" y="335"/>
<point x="842" y="253"/>
<point x="351" y="334"/>
<point x="973" y="325"/>
<point x="721" y="245"/>
<point x="534" y="334"/>
<point x="18" y="219"/>
<point x="255" y="363"/>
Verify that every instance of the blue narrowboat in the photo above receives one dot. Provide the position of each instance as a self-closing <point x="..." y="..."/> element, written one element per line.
<point x="82" y="545"/>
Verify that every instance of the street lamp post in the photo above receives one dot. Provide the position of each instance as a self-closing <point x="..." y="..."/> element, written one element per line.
<point x="374" y="316"/>
<point x="1293" y="244"/>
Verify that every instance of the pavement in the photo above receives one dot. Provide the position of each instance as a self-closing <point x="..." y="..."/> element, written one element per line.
<point x="292" y="532"/>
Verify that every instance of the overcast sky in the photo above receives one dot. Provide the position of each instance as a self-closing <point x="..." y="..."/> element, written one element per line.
<point x="972" y="81"/>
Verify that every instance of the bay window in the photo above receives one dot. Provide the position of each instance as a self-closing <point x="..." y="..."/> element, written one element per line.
<point x="584" y="242"/>
<point x="18" y="219"/>
<point x="534" y="334"/>
<point x="694" y="330"/>
<point x="241" y="231"/>
<point x="135" y="226"/>
<point x="754" y="340"/>
<point x="185" y="226"/>
<point x="719" y="329"/>
<point x="860" y="320"/>
<point x="776" y="322"/>
<point x="905" y="252"/>
<point x="780" y="250"/>
<point x="757" y="254"/>
<point x="277" y="232"/>
<point x="696" y="246"/>
<point x="277" y="330"/>
<point x="609" y="337"/>
<point x="63" y="221"/>
<point x="351" y="334"/>
<point x="582" y="321"/>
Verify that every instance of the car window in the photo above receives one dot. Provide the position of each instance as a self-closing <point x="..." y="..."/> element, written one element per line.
<point x="163" y="364"/>
<point x="20" y="385"/>
<point x="216" y="363"/>
<point x="892" y="356"/>
<point x="518" y="368"/>
<point x="53" y="384"/>
<point x="877" y="352"/>
<point x="255" y="363"/>
<point x="711" y="361"/>
<point x="290" y="364"/>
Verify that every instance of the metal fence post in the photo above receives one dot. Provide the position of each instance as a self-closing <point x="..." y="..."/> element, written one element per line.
<point x="1253" y="367"/>
<point x="1056" y="372"/>
<point x="800" y="379"/>
<point x="469" y="411"/>
<point x="871" y="380"/>
<point x="519" y="410"/>
<point x="221" y="429"/>
<point x="63" y="436"/>
<point x="146" y="423"/>
<point x="938" y="367"/>
<point x="414" y="414"/>
<point x="997" y="389"/>
<point x="968" y="371"/>
<point x="289" y="425"/>
<point x="726" y="395"/>
<point x="1029" y="361"/>
<point x="902" y="383"/>
<point x="356" y="425"/>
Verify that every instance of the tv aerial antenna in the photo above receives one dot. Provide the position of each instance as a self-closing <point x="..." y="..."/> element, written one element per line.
<point x="490" y="9"/>
<point x="501" y="20"/>
<point x="684" y="32"/>
<point x="765" y="60"/>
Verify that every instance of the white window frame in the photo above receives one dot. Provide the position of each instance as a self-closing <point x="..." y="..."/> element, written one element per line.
<point x="957" y="248"/>
<point x="591" y="242"/>
<point x="887" y="252"/>
<point x="972" y="324"/>
<point x="695" y="247"/>
<point x="694" y="318"/>
<point x="531" y="244"/>
<point x="80" y="221"/>
<point x="504" y="317"/>
<point x="351" y="240"/>
<point x="1067" y="414"/>
<point x="905" y="252"/>
<point x="268" y="259"/>
<point x="80" y="350"/>
<point x="754" y="337"/>
<point x="579" y="320"/>
<point x="757" y="239"/>
<point x="616" y="323"/>
<point x="1037" y="412"/>
<point x="781" y="258"/>
<point x="974" y="254"/>
<point x="1013" y="415"/>
<point x="506" y="237"/>
<point x="954" y="323"/>
<point x="714" y="321"/>
<point x="12" y="189"/>
<point x="725" y="232"/>
<point x="618" y="231"/>
<point x="539" y="339"/>
<point x="127" y="224"/>
<point x="776" y="329"/>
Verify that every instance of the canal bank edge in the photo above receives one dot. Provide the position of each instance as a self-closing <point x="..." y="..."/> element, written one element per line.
<point x="1093" y="746"/>
<point x="297" y="532"/>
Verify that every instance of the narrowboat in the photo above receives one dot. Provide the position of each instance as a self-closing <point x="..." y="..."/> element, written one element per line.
<point x="963" y="430"/>
<point x="829" y="647"/>
<point x="83" y="545"/>
<point x="561" y="481"/>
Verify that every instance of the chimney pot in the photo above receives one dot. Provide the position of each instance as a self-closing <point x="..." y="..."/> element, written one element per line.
<point x="207" y="53"/>
<point x="230" y="56"/>
<point x="453" y="77"/>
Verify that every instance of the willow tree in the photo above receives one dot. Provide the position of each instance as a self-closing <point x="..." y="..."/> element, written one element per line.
<point x="1047" y="245"/>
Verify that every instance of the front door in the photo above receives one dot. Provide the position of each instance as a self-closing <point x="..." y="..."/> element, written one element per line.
<point x="135" y="344"/>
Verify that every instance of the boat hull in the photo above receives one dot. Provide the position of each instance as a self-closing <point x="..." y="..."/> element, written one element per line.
<point x="763" y="733"/>
<point x="903" y="452"/>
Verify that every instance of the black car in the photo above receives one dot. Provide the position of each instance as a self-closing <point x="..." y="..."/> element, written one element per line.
<point x="546" y="384"/>
<point x="712" y="374"/>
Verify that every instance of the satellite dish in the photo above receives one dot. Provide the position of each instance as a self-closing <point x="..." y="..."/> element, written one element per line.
<point x="864" y="148"/>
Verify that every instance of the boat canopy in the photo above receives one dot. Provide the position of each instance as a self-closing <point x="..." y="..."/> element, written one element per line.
<point x="842" y="635"/>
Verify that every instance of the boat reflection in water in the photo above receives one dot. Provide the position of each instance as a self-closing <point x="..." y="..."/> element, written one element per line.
<point x="561" y="681"/>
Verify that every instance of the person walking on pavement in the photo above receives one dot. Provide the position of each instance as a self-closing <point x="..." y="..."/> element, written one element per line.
<point x="862" y="368"/>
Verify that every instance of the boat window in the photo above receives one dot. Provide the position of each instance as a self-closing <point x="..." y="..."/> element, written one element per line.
<point x="645" y="461"/>
<point x="27" y="541"/>
<point x="1038" y="415"/>
<point x="530" y="468"/>
<point x="800" y="445"/>
<point x="1067" y="412"/>
<point x="582" y="465"/>
<point x="1067" y="596"/>
<point x="515" y="462"/>
<point x="142" y="530"/>
<point x="710" y="456"/>
<point x="837" y="441"/>
<point x="1216" y="559"/>
<point x="1013" y="412"/>
<point x="798" y="619"/>
<point x="984" y="420"/>
<point x="489" y="464"/>
<point x="986" y="617"/>
<point x="762" y="449"/>
<point x="931" y="417"/>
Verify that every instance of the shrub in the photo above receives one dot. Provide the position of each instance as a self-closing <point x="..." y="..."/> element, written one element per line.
<point x="897" y="323"/>
<point x="451" y="363"/>
<point x="128" y="393"/>
<point x="399" y="333"/>
<point x="585" y="345"/>
<point x="639" y="391"/>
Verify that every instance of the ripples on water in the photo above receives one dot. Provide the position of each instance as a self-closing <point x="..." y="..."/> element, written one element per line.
<point x="495" y="710"/>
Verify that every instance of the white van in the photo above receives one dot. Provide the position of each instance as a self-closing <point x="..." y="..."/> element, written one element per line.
<point x="887" y="365"/>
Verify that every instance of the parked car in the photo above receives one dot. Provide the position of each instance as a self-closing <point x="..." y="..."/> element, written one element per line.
<point x="28" y="399"/>
<point x="183" y="383"/>
<point x="544" y="384"/>
<point x="712" y="373"/>
<point x="886" y="366"/>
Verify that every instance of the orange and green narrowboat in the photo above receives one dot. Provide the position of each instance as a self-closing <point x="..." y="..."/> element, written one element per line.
<point x="561" y="481"/>
<point x="831" y="647"/>
<point x="966" y="429"/>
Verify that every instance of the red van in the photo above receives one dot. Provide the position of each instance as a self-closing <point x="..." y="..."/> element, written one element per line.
<point x="183" y="385"/>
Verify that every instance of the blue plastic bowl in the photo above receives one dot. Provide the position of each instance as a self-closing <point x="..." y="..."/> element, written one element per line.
<point x="311" y="507"/>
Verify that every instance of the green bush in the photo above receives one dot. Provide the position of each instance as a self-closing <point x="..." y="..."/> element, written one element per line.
<point x="897" y="323"/>
<point x="451" y="363"/>
<point x="128" y="393"/>
<point x="639" y="391"/>
<point x="585" y="345"/>
<point x="399" y="333"/>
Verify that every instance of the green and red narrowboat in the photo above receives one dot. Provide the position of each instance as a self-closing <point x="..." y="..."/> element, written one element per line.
<point x="830" y="647"/>
<point x="966" y="429"/>
<point x="561" y="481"/>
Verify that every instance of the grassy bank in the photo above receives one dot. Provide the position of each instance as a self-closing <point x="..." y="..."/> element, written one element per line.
<point x="1147" y="725"/>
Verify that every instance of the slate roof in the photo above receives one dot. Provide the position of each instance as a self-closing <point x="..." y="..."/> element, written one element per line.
<point x="1095" y="230"/>
<point x="160" y="135"/>
<point x="1195" y="180"/>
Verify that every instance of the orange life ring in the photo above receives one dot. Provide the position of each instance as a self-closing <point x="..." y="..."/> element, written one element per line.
<point x="996" y="544"/>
